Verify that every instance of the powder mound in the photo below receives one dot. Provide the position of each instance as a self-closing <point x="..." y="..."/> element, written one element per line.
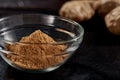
<point x="36" y="56"/>
<point x="37" y="37"/>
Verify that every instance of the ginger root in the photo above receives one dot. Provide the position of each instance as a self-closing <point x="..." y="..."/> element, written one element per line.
<point x="77" y="10"/>
<point x="81" y="10"/>
<point x="112" y="21"/>
<point x="107" y="6"/>
<point x="94" y="3"/>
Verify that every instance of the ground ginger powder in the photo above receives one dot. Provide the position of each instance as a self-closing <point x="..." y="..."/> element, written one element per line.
<point x="36" y="56"/>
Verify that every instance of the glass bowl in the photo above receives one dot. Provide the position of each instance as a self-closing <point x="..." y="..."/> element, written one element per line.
<point x="63" y="31"/>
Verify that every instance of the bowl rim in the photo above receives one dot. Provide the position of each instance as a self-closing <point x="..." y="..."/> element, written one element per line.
<point x="67" y="20"/>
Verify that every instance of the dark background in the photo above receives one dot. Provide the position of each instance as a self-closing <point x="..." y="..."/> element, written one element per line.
<point x="98" y="57"/>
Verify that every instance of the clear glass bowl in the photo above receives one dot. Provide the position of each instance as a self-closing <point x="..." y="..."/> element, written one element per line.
<point x="63" y="31"/>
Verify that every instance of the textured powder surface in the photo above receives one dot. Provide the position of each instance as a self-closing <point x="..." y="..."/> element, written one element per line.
<point x="36" y="56"/>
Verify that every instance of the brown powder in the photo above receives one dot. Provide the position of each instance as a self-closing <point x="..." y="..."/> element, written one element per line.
<point x="36" y="56"/>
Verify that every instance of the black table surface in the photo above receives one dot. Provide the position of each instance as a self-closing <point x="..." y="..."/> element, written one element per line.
<point x="97" y="58"/>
